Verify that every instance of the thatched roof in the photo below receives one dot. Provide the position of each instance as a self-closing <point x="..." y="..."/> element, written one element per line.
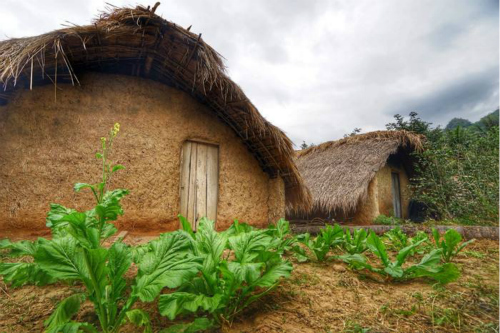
<point x="136" y="41"/>
<point x="338" y="172"/>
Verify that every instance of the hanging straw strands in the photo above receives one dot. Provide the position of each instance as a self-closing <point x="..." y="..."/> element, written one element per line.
<point x="136" y="41"/>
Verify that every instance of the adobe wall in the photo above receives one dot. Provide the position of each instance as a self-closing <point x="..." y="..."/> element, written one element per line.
<point x="368" y="210"/>
<point x="47" y="146"/>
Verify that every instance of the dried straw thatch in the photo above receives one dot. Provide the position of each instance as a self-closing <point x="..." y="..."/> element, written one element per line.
<point x="338" y="172"/>
<point x="136" y="41"/>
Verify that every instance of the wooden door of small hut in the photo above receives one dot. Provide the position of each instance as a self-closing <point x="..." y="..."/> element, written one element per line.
<point x="396" y="195"/>
<point x="199" y="181"/>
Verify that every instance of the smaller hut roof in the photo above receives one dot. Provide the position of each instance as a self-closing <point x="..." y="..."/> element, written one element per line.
<point x="338" y="172"/>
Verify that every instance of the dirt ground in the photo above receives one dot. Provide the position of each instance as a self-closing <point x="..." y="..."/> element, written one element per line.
<point x="321" y="298"/>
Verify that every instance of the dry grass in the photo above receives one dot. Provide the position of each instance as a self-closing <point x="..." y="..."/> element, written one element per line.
<point x="338" y="172"/>
<point x="323" y="298"/>
<point x="137" y="42"/>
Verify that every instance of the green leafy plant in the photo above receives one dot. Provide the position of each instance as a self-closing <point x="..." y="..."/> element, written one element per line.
<point x="239" y="266"/>
<point x="319" y="246"/>
<point x="355" y="243"/>
<point x="76" y="253"/>
<point x="397" y="238"/>
<point x="282" y="239"/>
<point x="450" y="243"/>
<point x="429" y="266"/>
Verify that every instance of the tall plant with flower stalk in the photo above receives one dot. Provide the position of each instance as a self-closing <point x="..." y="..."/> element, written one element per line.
<point x="100" y="189"/>
<point x="76" y="253"/>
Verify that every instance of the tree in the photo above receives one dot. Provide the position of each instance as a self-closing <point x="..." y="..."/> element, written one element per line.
<point x="354" y="132"/>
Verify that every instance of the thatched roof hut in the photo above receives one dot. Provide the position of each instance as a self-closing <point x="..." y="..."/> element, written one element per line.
<point x="137" y="43"/>
<point x="340" y="174"/>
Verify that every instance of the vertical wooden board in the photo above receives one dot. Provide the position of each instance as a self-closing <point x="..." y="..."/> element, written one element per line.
<point x="212" y="181"/>
<point x="201" y="181"/>
<point x="191" y="206"/>
<point x="396" y="195"/>
<point x="185" y="171"/>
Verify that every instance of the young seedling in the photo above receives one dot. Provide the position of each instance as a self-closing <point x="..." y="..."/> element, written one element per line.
<point x="450" y="244"/>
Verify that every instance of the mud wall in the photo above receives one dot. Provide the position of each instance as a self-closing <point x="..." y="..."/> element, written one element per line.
<point x="368" y="209"/>
<point x="276" y="201"/>
<point x="46" y="146"/>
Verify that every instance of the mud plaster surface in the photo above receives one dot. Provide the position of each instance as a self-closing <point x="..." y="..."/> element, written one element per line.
<point x="47" y="146"/>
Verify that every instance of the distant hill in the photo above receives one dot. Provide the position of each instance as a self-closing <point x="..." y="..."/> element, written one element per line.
<point x="485" y="122"/>
<point x="488" y="120"/>
<point x="455" y="122"/>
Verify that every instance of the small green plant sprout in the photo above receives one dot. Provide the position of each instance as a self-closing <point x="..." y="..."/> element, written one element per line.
<point x="355" y="243"/>
<point x="282" y="239"/>
<point x="450" y="243"/>
<point x="429" y="266"/>
<point x="319" y="246"/>
<point x="397" y="238"/>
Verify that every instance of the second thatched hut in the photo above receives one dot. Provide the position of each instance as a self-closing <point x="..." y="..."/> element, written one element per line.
<point x="355" y="179"/>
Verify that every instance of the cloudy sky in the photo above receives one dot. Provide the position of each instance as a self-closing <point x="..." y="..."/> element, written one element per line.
<point x="318" y="69"/>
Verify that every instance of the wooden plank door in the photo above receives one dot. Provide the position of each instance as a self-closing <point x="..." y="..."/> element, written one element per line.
<point x="199" y="181"/>
<point x="396" y="195"/>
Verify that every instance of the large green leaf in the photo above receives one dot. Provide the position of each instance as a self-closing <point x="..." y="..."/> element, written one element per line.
<point x="452" y="238"/>
<point x="356" y="261"/>
<point x="97" y="268"/>
<point x="273" y="273"/>
<point x="245" y="272"/>
<point x="110" y="208"/>
<point x="21" y="273"/>
<point x="56" y="213"/>
<point x="66" y="309"/>
<point x="403" y="254"/>
<point x="173" y="304"/>
<point x="119" y="261"/>
<point x="377" y="247"/>
<point x="62" y="258"/>
<point x="246" y="246"/>
<point x="394" y="270"/>
<point x="210" y="244"/>
<point x="430" y="267"/>
<point x="169" y="264"/>
<point x="186" y="225"/>
<point x="78" y="227"/>
<point x="19" y="249"/>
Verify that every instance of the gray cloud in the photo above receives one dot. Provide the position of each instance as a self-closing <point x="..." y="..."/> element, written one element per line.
<point x="460" y="98"/>
<point x="318" y="69"/>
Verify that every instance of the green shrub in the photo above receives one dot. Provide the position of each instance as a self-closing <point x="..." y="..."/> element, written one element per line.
<point x="387" y="220"/>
